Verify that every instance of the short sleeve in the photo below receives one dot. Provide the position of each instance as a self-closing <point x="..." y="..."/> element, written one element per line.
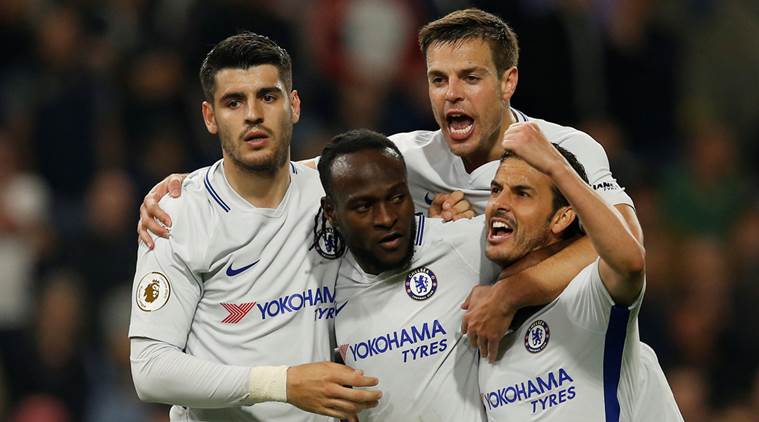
<point x="593" y="157"/>
<point x="165" y="292"/>
<point x="588" y="302"/>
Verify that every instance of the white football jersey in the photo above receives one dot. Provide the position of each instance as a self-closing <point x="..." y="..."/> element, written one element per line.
<point x="238" y="285"/>
<point x="577" y="359"/>
<point x="404" y="326"/>
<point x="433" y="168"/>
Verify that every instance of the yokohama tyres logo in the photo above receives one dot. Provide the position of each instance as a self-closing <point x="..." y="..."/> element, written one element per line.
<point x="236" y="312"/>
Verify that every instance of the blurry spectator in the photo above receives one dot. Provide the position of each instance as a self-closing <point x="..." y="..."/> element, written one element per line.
<point x="41" y="408"/>
<point x="114" y="398"/>
<point x="691" y="393"/>
<point x="706" y="192"/>
<point x="64" y="120"/>
<point x="104" y="252"/>
<point x="48" y="359"/>
<point x="642" y="67"/>
<point x="24" y="208"/>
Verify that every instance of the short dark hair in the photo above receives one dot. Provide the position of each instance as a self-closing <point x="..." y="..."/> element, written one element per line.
<point x="474" y="23"/>
<point x="348" y="143"/>
<point x="558" y="198"/>
<point x="242" y="51"/>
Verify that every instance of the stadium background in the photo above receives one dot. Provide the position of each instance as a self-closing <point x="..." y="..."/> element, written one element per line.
<point x="100" y="99"/>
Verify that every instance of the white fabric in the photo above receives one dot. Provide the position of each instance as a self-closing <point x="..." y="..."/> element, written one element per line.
<point x="268" y="383"/>
<point x="245" y="287"/>
<point x="433" y="168"/>
<point x="427" y="371"/>
<point x="162" y="373"/>
<point x="564" y="379"/>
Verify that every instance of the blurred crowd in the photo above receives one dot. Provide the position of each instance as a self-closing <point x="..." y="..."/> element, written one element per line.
<point x="99" y="100"/>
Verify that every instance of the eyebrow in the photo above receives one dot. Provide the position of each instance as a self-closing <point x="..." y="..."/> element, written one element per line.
<point x="522" y="188"/>
<point x="259" y="93"/>
<point x="268" y="90"/>
<point x="364" y="197"/>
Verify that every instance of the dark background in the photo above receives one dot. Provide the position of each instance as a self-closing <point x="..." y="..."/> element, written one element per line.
<point x="99" y="100"/>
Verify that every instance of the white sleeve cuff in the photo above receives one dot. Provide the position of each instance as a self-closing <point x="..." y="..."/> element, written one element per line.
<point x="268" y="383"/>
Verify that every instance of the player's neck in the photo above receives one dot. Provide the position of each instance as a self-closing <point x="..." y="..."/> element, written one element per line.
<point x="261" y="189"/>
<point x="534" y="257"/>
<point x="494" y="149"/>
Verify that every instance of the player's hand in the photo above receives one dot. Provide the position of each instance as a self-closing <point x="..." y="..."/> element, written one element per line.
<point x="527" y="141"/>
<point x="450" y="206"/>
<point x="486" y="320"/>
<point x="325" y="388"/>
<point x="151" y="213"/>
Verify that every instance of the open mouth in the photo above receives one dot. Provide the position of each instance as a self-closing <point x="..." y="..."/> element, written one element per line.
<point x="391" y="241"/>
<point x="499" y="231"/>
<point x="460" y="125"/>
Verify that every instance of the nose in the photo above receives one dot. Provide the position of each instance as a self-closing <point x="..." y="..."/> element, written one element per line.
<point x="502" y="202"/>
<point x="254" y="113"/>
<point x="454" y="92"/>
<point x="384" y="215"/>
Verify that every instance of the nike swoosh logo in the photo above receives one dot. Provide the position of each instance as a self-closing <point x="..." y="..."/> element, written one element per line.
<point x="427" y="198"/>
<point x="231" y="272"/>
<point x="337" y="311"/>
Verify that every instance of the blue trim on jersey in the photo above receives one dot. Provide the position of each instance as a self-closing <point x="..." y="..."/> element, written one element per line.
<point x="292" y="166"/>
<point x="522" y="114"/>
<point x="419" y="229"/>
<point x="213" y="193"/>
<point x="613" y="348"/>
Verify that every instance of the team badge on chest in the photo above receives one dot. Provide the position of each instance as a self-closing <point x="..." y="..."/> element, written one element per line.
<point x="421" y="283"/>
<point x="153" y="292"/>
<point x="536" y="337"/>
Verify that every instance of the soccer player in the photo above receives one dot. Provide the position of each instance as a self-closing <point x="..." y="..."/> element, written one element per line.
<point x="578" y="358"/>
<point x="401" y="284"/>
<point x="472" y="74"/>
<point x="231" y="314"/>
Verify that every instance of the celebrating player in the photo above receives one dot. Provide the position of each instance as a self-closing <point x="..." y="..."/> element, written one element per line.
<point x="401" y="284"/>
<point x="399" y="287"/>
<point x="578" y="358"/>
<point x="231" y="311"/>
<point x="472" y="74"/>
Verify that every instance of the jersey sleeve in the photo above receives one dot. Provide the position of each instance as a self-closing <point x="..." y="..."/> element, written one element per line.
<point x="166" y="292"/>
<point x="593" y="157"/>
<point x="589" y="303"/>
<point x="467" y="239"/>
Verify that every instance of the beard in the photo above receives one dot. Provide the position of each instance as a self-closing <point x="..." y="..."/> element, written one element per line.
<point x="268" y="162"/>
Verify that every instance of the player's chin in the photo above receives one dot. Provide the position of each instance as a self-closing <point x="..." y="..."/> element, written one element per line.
<point x="497" y="253"/>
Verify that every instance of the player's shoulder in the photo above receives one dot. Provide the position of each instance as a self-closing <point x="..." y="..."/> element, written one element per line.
<point x="568" y="137"/>
<point x="453" y="233"/>
<point x="197" y="205"/>
<point x="418" y="139"/>
<point x="304" y="175"/>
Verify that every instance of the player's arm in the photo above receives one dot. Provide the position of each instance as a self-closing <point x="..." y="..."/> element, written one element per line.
<point x="623" y="258"/>
<point x="622" y="254"/>
<point x="164" y="374"/>
<point x="490" y="309"/>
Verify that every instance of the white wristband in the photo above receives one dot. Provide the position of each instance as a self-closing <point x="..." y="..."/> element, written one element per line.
<point x="268" y="383"/>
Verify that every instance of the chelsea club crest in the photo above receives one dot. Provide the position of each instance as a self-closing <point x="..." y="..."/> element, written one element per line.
<point x="421" y="283"/>
<point x="329" y="243"/>
<point x="536" y="337"/>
